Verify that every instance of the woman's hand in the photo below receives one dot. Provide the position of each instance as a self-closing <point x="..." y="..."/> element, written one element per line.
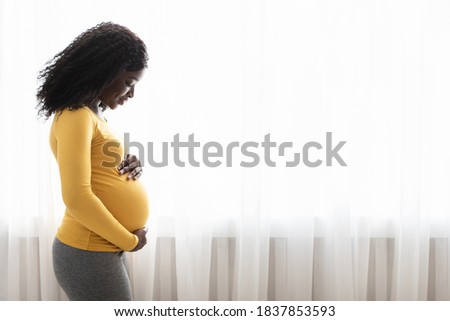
<point x="142" y="235"/>
<point x="130" y="164"/>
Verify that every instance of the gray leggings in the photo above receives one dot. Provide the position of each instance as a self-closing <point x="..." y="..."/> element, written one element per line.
<point x="91" y="276"/>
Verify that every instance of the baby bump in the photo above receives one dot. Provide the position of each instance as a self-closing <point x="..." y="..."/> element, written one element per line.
<point x="126" y="199"/>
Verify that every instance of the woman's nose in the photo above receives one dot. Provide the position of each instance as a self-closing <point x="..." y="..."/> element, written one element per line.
<point x="130" y="93"/>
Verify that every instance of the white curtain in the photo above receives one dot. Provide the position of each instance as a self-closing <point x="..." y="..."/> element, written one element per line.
<point x="373" y="73"/>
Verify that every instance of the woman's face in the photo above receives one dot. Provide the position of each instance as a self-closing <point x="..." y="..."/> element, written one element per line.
<point x="118" y="92"/>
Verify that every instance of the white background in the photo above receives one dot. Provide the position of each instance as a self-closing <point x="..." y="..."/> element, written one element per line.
<point x="374" y="73"/>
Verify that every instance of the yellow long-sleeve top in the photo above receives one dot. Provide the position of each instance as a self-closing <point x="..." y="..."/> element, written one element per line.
<point x="102" y="207"/>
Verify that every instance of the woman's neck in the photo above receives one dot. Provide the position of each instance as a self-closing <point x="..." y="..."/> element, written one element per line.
<point x="97" y="107"/>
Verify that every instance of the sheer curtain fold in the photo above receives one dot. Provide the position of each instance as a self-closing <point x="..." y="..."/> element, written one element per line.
<point x="371" y="74"/>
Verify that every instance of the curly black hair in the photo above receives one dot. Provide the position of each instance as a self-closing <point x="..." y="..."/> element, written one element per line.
<point x="76" y="76"/>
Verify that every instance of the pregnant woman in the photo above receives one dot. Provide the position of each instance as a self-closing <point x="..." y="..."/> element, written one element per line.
<point x="106" y="211"/>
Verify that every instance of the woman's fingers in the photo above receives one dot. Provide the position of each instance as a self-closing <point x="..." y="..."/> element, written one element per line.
<point x="136" y="173"/>
<point x="129" y="167"/>
<point x="141" y="234"/>
<point x="130" y="164"/>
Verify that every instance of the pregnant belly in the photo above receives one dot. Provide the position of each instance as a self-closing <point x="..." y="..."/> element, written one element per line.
<point x="126" y="199"/>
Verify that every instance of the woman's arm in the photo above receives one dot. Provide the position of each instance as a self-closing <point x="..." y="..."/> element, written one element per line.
<point x="74" y="131"/>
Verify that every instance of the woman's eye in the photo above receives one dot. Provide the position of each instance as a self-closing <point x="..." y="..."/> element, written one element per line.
<point x="128" y="84"/>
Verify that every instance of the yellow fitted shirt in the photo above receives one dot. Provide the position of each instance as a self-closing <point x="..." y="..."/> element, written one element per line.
<point x="102" y="207"/>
